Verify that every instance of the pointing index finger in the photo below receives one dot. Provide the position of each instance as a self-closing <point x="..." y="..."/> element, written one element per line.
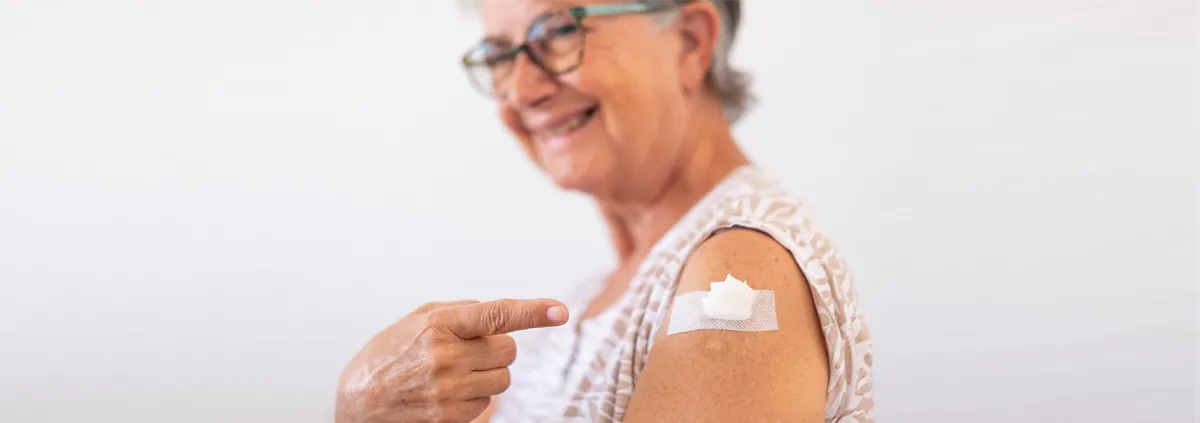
<point x="503" y="316"/>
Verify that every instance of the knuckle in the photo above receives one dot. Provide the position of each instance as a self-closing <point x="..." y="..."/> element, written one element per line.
<point x="506" y="349"/>
<point x="461" y="411"/>
<point x="435" y="317"/>
<point x="440" y="390"/>
<point x="504" y="380"/>
<point x="425" y="307"/>
<point x="429" y="338"/>
<point x="478" y="406"/>
<point x="434" y="322"/>
<point x="495" y="319"/>
<point x="442" y="413"/>
<point x="425" y="321"/>
<point x="450" y="416"/>
<point x="442" y="358"/>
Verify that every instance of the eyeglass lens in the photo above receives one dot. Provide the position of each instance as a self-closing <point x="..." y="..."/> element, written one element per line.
<point x="554" y="43"/>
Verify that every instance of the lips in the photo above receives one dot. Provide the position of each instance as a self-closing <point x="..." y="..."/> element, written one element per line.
<point x="565" y="126"/>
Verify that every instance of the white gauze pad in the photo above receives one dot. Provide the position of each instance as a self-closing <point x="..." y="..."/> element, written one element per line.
<point x="730" y="305"/>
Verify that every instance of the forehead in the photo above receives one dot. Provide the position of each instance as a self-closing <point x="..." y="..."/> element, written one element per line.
<point x="509" y="19"/>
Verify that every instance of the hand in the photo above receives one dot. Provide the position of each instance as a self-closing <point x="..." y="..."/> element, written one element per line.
<point x="441" y="363"/>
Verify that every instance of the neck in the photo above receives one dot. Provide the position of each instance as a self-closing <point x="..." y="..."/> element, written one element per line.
<point x="637" y="223"/>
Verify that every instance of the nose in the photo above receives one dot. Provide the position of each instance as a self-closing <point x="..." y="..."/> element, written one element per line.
<point x="530" y="85"/>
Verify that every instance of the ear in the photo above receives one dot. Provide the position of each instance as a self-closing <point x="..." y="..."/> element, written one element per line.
<point x="699" y="24"/>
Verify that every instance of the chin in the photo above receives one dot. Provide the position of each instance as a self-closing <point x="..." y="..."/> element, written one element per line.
<point x="586" y="176"/>
<point x="575" y="181"/>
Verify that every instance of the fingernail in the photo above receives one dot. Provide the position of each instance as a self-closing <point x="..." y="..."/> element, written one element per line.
<point x="557" y="314"/>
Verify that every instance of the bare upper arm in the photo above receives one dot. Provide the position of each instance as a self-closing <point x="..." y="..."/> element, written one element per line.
<point x="727" y="376"/>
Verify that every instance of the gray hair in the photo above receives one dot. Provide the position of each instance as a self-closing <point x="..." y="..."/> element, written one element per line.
<point x="731" y="86"/>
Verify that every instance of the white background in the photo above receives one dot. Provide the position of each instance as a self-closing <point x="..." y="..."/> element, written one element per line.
<point x="206" y="207"/>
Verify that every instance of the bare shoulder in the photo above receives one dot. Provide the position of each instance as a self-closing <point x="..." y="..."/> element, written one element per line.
<point x="750" y="256"/>
<point x="744" y="376"/>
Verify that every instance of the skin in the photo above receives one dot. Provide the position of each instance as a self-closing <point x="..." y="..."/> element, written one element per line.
<point x="441" y="363"/>
<point x="776" y="376"/>
<point x="657" y="145"/>
<point x="659" y="141"/>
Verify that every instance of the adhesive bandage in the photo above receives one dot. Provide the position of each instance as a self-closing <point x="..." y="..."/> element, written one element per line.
<point x="729" y="305"/>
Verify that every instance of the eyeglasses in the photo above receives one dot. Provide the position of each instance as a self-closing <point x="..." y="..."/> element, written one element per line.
<point x="554" y="43"/>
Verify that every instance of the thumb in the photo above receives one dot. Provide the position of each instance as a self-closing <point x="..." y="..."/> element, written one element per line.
<point x="504" y="316"/>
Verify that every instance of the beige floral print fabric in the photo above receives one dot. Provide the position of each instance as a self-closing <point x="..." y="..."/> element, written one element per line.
<point x="748" y="198"/>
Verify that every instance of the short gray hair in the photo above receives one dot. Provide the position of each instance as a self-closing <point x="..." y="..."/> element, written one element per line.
<point x="729" y="84"/>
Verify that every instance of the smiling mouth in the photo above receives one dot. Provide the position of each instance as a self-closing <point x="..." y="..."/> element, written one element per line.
<point x="568" y="127"/>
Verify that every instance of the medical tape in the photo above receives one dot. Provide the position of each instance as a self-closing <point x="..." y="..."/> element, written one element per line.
<point x="688" y="313"/>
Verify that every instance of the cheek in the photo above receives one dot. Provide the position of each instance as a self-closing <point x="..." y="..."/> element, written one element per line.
<point x="616" y="90"/>
<point x="603" y="74"/>
<point x="630" y="79"/>
<point x="512" y="120"/>
<point x="632" y="100"/>
<point x="586" y="83"/>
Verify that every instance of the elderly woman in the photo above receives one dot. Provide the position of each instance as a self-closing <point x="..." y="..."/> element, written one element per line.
<point x="632" y="104"/>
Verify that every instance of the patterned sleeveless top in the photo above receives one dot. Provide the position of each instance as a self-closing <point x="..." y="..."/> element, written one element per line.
<point x="586" y="371"/>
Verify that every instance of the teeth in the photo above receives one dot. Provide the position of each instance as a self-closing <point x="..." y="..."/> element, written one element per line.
<point x="567" y="126"/>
